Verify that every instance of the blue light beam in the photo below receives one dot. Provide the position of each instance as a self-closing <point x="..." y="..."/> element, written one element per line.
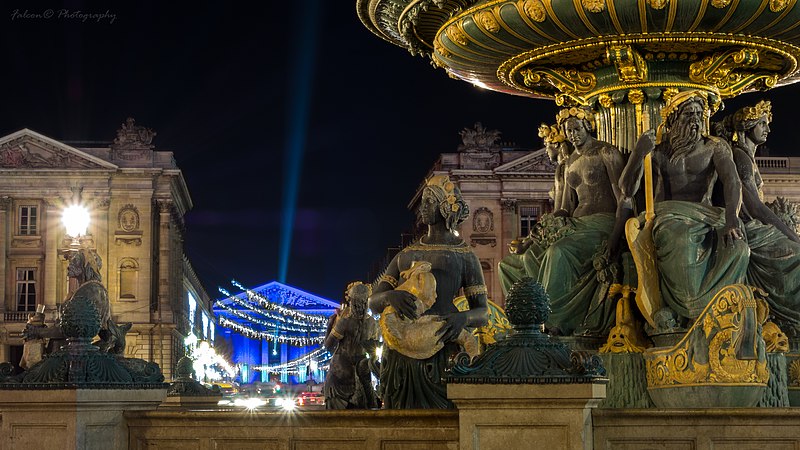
<point x="302" y="71"/>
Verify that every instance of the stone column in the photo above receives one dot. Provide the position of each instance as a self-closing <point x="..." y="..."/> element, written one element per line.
<point x="52" y="278"/>
<point x="5" y="205"/>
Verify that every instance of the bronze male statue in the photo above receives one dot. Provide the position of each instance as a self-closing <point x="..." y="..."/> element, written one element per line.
<point x="699" y="247"/>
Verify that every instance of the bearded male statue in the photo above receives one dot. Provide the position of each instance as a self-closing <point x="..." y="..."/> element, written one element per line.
<point x="699" y="248"/>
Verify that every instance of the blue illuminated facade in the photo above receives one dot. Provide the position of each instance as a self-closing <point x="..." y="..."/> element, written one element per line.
<point x="254" y="340"/>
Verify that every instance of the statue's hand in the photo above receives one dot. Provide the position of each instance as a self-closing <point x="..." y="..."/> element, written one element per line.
<point x="454" y="323"/>
<point x="403" y="303"/>
<point x="731" y="233"/>
<point x="517" y="247"/>
<point x="646" y="143"/>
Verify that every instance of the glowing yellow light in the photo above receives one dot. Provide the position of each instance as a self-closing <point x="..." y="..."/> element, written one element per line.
<point x="76" y="220"/>
<point x="378" y="352"/>
<point x="249" y="403"/>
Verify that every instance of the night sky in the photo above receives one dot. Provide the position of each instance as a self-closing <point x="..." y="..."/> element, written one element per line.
<point x="226" y="86"/>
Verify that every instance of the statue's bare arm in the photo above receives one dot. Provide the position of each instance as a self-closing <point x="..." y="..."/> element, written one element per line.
<point x="631" y="177"/>
<point x="752" y="201"/>
<point x="726" y="171"/>
<point x="614" y="166"/>
<point x="478" y="313"/>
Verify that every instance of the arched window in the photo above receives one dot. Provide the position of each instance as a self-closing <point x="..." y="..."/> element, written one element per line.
<point x="128" y="279"/>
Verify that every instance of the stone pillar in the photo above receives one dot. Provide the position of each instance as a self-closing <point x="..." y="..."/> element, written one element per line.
<point x="524" y="416"/>
<point x="71" y="418"/>
<point x="5" y="205"/>
<point x="52" y="277"/>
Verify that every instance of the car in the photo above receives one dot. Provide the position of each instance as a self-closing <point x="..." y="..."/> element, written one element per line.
<point x="311" y="399"/>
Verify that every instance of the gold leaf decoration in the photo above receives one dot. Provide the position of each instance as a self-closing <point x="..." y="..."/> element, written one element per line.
<point x="456" y="35"/>
<point x="636" y="96"/>
<point x="605" y="100"/>
<point x="657" y="4"/>
<point x="534" y="9"/>
<point x="720" y="3"/>
<point x="594" y="6"/>
<point x="487" y="21"/>
<point x="777" y="5"/>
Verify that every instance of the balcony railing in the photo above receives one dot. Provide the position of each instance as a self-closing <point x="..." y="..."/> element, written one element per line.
<point x="777" y="163"/>
<point x="16" y="316"/>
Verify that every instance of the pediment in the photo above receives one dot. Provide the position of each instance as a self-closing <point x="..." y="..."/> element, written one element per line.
<point x="534" y="162"/>
<point x="26" y="149"/>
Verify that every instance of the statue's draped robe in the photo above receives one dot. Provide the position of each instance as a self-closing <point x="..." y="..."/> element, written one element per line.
<point x="417" y="383"/>
<point x="565" y="268"/>
<point x="692" y="259"/>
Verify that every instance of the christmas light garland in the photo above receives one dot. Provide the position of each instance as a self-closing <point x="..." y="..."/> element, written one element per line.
<point x="292" y="365"/>
<point x="269" y="324"/>
<point x="297" y="341"/>
<point x="260" y="309"/>
<point x="316" y="319"/>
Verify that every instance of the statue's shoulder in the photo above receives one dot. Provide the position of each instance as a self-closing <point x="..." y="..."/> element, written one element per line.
<point x="717" y="143"/>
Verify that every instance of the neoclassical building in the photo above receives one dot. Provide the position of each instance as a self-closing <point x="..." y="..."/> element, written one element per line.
<point x="137" y="198"/>
<point x="509" y="188"/>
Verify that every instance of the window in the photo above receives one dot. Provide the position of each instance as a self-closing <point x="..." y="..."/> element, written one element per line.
<point x="27" y="220"/>
<point x="192" y="310"/>
<point x="528" y="215"/>
<point x="128" y="279"/>
<point x="26" y="289"/>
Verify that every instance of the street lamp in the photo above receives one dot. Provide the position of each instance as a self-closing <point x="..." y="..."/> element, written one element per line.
<point x="76" y="220"/>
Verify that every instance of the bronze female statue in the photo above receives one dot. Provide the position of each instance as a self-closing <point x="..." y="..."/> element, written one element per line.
<point x="570" y="243"/>
<point x="409" y="382"/>
<point x="774" y="247"/>
<point x="351" y="335"/>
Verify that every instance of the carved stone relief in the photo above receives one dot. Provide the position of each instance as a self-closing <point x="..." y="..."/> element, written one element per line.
<point x="128" y="223"/>
<point x="483" y="228"/>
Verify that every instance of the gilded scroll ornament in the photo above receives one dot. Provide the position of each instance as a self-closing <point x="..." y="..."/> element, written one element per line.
<point x="720" y="3"/>
<point x="487" y="21"/>
<point x="727" y="71"/>
<point x="594" y="6"/>
<point x="722" y="347"/>
<point x="777" y="5"/>
<point x="569" y="82"/>
<point x="534" y="9"/>
<point x="498" y="326"/>
<point x="631" y="66"/>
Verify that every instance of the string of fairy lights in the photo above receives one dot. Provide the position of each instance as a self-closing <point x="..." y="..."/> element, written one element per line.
<point x="265" y="319"/>
<point x="320" y="357"/>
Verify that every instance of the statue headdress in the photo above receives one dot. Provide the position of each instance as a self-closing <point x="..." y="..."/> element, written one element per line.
<point x="580" y="113"/>
<point x="551" y="133"/>
<point x="451" y="204"/>
<point x="746" y="118"/>
<point x="674" y="104"/>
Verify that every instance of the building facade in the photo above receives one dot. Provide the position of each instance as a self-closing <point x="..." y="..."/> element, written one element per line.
<point x="137" y="199"/>
<point x="508" y="189"/>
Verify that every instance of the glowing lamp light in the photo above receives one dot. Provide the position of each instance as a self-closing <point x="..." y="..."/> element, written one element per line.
<point x="378" y="352"/>
<point x="76" y="220"/>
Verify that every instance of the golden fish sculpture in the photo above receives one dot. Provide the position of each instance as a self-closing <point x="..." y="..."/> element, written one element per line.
<point x="418" y="338"/>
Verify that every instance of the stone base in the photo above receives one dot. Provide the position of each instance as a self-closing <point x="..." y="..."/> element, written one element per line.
<point x="71" y="419"/>
<point x="699" y="396"/>
<point x="525" y="416"/>
<point x="240" y="429"/>
<point x="697" y="429"/>
<point x="191" y="402"/>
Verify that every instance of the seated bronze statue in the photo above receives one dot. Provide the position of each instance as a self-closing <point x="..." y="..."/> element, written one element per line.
<point x="567" y="248"/>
